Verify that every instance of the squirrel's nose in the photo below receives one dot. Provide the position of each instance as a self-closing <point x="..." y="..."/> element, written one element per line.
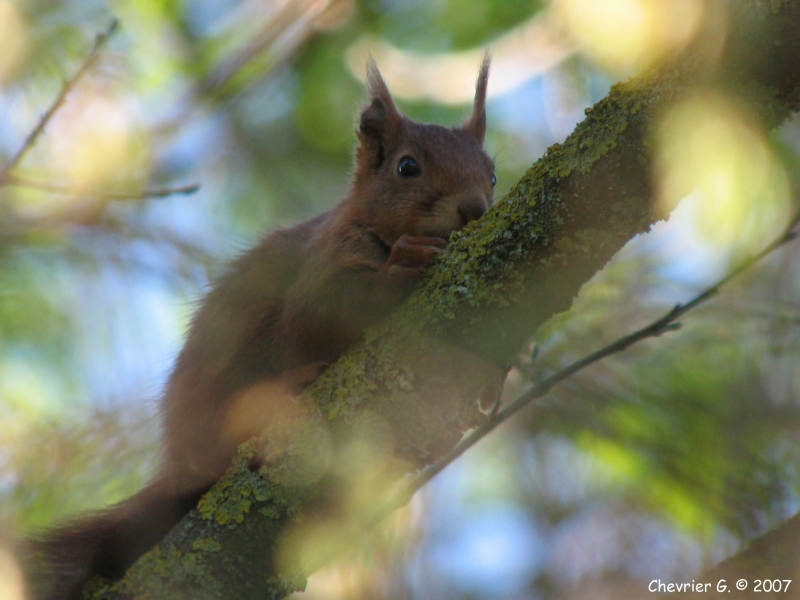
<point x="472" y="206"/>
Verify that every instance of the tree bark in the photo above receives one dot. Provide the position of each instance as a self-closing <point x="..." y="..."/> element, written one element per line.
<point x="396" y="403"/>
<point x="774" y="556"/>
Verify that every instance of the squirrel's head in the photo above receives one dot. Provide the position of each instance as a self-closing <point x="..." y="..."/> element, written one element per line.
<point x="418" y="178"/>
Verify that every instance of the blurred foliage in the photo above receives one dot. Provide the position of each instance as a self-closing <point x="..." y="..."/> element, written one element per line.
<point x="443" y="25"/>
<point x="654" y="463"/>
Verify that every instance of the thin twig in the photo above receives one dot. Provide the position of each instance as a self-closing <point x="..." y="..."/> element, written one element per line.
<point x="99" y="42"/>
<point x="15" y="180"/>
<point x="542" y="388"/>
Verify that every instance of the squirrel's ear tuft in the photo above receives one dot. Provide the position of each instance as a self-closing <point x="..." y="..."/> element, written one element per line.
<point x="377" y="87"/>
<point x="380" y="123"/>
<point x="476" y="125"/>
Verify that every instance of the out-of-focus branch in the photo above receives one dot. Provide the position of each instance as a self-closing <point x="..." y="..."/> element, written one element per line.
<point x="86" y="211"/>
<point x="287" y="29"/>
<point x="294" y="19"/>
<point x="90" y="60"/>
<point x="84" y="208"/>
<point x="17" y="181"/>
<point x="769" y="561"/>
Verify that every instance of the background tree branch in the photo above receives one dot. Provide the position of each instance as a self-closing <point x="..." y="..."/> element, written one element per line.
<point x="772" y="556"/>
<point x="90" y="60"/>
<point x="409" y="392"/>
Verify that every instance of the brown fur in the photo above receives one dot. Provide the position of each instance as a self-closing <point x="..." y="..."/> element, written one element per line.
<point x="284" y="311"/>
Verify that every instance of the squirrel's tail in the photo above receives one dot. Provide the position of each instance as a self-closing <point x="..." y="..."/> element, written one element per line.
<point x="104" y="543"/>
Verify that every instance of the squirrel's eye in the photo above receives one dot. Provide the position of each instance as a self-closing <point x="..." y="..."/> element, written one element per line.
<point x="408" y="167"/>
<point x="494" y="179"/>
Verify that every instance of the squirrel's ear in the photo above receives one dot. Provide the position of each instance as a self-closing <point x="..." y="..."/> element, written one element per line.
<point x="477" y="122"/>
<point x="380" y="123"/>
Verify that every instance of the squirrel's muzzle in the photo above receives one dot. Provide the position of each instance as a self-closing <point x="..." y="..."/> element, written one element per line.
<point x="472" y="205"/>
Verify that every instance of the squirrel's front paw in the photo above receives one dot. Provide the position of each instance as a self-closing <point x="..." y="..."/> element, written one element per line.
<point x="410" y="254"/>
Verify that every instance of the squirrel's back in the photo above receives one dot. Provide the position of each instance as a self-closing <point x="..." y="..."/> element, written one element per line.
<point x="233" y="343"/>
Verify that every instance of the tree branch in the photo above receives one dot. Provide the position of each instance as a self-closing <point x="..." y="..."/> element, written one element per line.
<point x="99" y="42"/>
<point x="658" y="327"/>
<point x="771" y="556"/>
<point x="82" y="213"/>
<point x="17" y="181"/>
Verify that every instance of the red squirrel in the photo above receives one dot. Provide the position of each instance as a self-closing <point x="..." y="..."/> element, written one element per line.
<point x="285" y="310"/>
